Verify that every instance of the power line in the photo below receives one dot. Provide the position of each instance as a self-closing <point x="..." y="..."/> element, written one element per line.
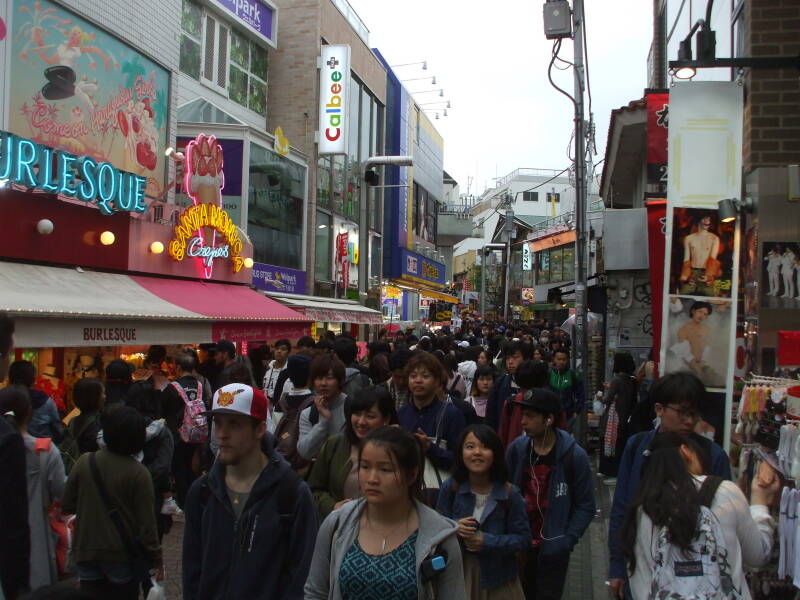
<point x="556" y="48"/>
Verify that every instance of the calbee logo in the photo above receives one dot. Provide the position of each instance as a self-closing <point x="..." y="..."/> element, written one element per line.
<point x="226" y="398"/>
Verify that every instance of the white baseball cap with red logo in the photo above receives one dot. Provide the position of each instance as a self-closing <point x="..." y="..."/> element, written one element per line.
<point x="240" y="399"/>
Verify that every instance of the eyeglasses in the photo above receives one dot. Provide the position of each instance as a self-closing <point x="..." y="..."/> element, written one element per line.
<point x="687" y="415"/>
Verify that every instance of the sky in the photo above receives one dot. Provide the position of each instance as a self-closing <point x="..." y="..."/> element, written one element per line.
<point x="491" y="60"/>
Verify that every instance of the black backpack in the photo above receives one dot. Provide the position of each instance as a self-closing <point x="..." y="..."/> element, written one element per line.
<point x="287" y="433"/>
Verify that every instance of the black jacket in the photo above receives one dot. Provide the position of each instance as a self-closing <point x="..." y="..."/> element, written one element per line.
<point x="258" y="557"/>
<point x="15" y="535"/>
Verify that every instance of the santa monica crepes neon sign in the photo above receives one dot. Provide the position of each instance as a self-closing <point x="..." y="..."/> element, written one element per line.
<point x="203" y="182"/>
<point x="40" y="167"/>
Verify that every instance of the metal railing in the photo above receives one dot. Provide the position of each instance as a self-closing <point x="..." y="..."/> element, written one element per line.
<point x="459" y="210"/>
<point x="525" y="172"/>
<point x="563" y="221"/>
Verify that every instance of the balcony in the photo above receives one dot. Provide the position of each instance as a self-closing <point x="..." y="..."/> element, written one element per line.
<point x="454" y="223"/>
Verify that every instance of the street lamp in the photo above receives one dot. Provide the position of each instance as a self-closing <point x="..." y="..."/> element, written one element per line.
<point x="729" y="208"/>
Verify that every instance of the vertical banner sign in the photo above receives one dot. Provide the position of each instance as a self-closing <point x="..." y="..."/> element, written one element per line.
<point x="334" y="95"/>
<point x="527" y="257"/>
<point x="656" y="228"/>
<point x="701" y="266"/>
<point x="341" y="257"/>
<point x="657" y="128"/>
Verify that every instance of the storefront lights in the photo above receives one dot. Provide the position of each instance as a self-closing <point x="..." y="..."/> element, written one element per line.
<point x="107" y="238"/>
<point x="156" y="247"/>
<point x="248" y="263"/>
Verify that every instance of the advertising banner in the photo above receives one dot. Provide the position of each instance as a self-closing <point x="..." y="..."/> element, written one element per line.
<point x="701" y="266"/>
<point x="256" y="15"/>
<point x="656" y="229"/>
<point x="278" y="279"/>
<point x="77" y="88"/>
<point x="249" y="332"/>
<point x="657" y="128"/>
<point x="527" y="257"/>
<point x="415" y="267"/>
<point x="334" y="95"/>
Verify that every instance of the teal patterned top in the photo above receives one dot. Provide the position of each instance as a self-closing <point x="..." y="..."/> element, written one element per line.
<point x="391" y="576"/>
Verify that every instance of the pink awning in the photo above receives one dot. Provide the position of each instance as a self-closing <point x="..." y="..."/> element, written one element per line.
<point x="219" y="301"/>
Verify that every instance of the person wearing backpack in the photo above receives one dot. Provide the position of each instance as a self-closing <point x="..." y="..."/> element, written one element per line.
<point x="490" y="512"/>
<point x="514" y="354"/>
<point x="687" y="535"/>
<point x="292" y="404"/>
<point x="529" y="375"/>
<point x="325" y="417"/>
<point x="184" y="415"/>
<point x="250" y="521"/>
<point x="45" y="476"/>
<point x="356" y="377"/>
<point x="81" y="434"/>
<point x="553" y="473"/>
<point x="677" y="398"/>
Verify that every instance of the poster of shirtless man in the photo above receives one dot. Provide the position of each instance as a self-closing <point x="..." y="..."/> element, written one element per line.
<point x="698" y="339"/>
<point x="702" y="254"/>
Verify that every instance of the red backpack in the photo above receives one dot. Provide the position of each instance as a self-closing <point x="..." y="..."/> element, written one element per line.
<point x="194" y="427"/>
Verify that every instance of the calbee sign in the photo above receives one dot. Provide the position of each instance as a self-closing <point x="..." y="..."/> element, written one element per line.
<point x="334" y="93"/>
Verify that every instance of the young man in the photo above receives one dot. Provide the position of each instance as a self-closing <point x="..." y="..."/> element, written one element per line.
<point x="250" y="522"/>
<point x="530" y="374"/>
<point x="397" y="384"/>
<point x="355" y="378"/>
<point x="515" y="354"/>
<point x="554" y="475"/>
<point x="280" y="351"/>
<point x="226" y="361"/>
<point x="326" y="416"/>
<point x="700" y="264"/>
<point x="677" y="398"/>
<point x="568" y="386"/>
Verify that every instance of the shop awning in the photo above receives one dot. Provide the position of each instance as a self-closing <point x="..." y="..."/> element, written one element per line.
<point x="71" y="307"/>
<point x="428" y="293"/>
<point x="330" y="310"/>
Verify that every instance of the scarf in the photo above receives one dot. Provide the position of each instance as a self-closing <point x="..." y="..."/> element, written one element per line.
<point x="612" y="431"/>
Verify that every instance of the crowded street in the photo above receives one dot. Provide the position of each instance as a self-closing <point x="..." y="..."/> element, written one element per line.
<point x="428" y="300"/>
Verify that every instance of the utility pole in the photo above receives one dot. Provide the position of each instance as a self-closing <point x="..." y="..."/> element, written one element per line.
<point x="581" y="221"/>
<point x="509" y="231"/>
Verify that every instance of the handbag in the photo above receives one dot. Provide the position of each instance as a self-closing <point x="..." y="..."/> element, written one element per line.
<point x="140" y="563"/>
<point x="433" y="476"/>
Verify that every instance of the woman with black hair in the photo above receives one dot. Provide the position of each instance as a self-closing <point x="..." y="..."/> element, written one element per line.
<point x="619" y="404"/>
<point x="670" y="500"/>
<point x="492" y="521"/>
<point x="89" y="396"/>
<point x="387" y="544"/>
<point x="334" y="476"/>
<point x="479" y="393"/>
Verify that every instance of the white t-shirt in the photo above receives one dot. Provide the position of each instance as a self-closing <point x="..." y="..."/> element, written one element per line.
<point x="271" y="380"/>
<point x="748" y="537"/>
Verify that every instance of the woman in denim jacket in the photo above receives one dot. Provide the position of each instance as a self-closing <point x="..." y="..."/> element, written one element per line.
<point x="492" y="523"/>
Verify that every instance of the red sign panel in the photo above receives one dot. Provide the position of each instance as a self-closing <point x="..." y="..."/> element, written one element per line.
<point x="656" y="242"/>
<point x="657" y="129"/>
<point x="243" y="332"/>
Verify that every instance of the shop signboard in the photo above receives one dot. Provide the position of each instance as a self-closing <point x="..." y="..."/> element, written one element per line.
<point x="657" y="128"/>
<point x="244" y="332"/>
<point x="418" y="268"/>
<point x="552" y="241"/>
<point x="257" y="16"/>
<point x="342" y="252"/>
<point x="36" y="166"/>
<point x="527" y="257"/>
<point x="528" y="295"/>
<point x="278" y="279"/>
<point x="78" y="89"/>
<point x="334" y="97"/>
<point x="204" y="230"/>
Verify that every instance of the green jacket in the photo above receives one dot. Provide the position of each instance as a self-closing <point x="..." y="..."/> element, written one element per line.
<point x="131" y="490"/>
<point x="329" y="473"/>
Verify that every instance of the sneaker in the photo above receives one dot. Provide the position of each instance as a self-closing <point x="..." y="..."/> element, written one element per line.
<point x="170" y="507"/>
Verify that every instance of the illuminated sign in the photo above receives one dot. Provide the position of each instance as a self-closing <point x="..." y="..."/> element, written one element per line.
<point x="415" y="267"/>
<point x="204" y="180"/>
<point x="334" y="93"/>
<point x="40" y="167"/>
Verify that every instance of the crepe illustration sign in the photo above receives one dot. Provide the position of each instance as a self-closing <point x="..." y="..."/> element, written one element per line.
<point x="78" y="89"/>
<point x="204" y="230"/>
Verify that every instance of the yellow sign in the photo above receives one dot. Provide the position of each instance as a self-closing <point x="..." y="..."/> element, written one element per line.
<point x="281" y="145"/>
<point x="391" y="291"/>
<point x="187" y="242"/>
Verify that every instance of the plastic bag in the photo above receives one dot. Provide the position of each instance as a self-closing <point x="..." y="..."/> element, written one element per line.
<point x="156" y="592"/>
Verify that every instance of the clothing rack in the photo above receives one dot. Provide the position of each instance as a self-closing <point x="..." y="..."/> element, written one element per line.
<point x="754" y="378"/>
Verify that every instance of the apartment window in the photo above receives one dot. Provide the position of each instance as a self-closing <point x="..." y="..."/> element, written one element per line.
<point x="191" y="35"/>
<point x="248" y="74"/>
<point x="323" y="246"/>
<point x="223" y="58"/>
<point x="530" y="196"/>
<point x="324" y="182"/>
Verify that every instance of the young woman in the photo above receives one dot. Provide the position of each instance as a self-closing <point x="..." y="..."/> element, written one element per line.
<point x="619" y="401"/>
<point x="541" y="353"/>
<point x="383" y="545"/>
<point x="479" y="394"/>
<point x="89" y="397"/>
<point x="492" y="521"/>
<point x="45" y="421"/>
<point x="45" y="474"/>
<point x="334" y="476"/>
<point x="484" y="360"/>
<point x="669" y="497"/>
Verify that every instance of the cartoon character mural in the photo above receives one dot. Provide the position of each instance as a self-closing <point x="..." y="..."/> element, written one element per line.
<point x="80" y="89"/>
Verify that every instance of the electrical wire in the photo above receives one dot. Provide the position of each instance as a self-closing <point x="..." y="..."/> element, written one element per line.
<point x="556" y="48"/>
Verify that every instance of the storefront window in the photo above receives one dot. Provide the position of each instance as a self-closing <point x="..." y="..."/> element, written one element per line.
<point x="191" y="30"/>
<point x="275" y="208"/>
<point x="568" y="263"/>
<point x="323" y="245"/>
<point x="543" y="271"/>
<point x="352" y="192"/>
<point x="248" y="74"/>
<point x="556" y="256"/>
<point x="338" y="183"/>
<point x="324" y="182"/>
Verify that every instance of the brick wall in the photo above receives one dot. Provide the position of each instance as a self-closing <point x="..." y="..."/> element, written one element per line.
<point x="772" y="104"/>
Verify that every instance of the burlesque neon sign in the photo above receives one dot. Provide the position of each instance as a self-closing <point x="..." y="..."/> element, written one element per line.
<point x="40" y="167"/>
<point x="203" y="182"/>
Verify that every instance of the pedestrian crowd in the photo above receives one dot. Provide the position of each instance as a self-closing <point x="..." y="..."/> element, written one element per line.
<point x="420" y="467"/>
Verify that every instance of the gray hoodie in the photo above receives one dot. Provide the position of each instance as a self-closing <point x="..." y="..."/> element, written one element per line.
<point x="340" y="530"/>
<point x="313" y="436"/>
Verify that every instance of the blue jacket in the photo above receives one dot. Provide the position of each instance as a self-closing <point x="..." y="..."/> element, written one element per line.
<point x="256" y="557"/>
<point x="504" y="524"/>
<point x="45" y="421"/>
<point x="428" y="419"/>
<point x="500" y="391"/>
<point x="630" y="470"/>
<point x="571" y="504"/>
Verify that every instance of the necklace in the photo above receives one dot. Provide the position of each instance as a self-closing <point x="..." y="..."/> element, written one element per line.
<point x="385" y="539"/>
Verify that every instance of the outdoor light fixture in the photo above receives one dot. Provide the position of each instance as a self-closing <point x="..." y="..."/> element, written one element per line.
<point x="729" y="208"/>
<point x="107" y="238"/>
<point x="171" y="153"/>
<point x="156" y="247"/>
<point x="45" y="227"/>
<point x="248" y="263"/>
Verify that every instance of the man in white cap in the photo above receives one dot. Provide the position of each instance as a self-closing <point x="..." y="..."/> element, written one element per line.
<point x="251" y="523"/>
